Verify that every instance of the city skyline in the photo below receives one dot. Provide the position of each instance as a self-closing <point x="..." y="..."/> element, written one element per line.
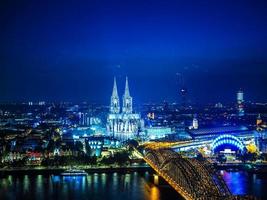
<point x="120" y="90"/>
<point x="133" y="99"/>
<point x="56" y="52"/>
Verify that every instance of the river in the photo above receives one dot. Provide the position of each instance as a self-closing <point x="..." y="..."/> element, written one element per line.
<point x="114" y="186"/>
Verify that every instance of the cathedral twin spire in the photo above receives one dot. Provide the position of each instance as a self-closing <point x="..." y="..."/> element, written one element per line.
<point x="115" y="90"/>
<point x="126" y="92"/>
<point x="115" y="100"/>
<point x="127" y="99"/>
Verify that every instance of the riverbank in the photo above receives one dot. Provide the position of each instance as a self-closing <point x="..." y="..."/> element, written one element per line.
<point x="249" y="167"/>
<point x="58" y="170"/>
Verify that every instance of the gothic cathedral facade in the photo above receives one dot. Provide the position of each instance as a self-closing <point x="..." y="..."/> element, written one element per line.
<point x="123" y="124"/>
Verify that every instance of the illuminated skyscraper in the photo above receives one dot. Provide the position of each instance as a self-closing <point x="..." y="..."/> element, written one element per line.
<point x="240" y="103"/>
<point x="195" y="123"/>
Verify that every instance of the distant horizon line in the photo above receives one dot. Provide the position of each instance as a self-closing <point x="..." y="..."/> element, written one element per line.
<point x="43" y="102"/>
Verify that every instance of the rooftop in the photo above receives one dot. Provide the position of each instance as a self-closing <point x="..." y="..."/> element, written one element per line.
<point x="217" y="130"/>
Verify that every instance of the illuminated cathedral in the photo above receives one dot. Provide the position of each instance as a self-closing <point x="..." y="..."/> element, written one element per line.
<point x="123" y="124"/>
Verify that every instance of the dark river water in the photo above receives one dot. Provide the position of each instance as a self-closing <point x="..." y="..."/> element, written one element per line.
<point x="114" y="186"/>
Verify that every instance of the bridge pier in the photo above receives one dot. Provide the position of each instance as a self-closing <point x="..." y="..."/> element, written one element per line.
<point x="156" y="179"/>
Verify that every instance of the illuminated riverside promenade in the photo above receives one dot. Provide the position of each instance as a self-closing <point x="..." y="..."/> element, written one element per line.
<point x="191" y="178"/>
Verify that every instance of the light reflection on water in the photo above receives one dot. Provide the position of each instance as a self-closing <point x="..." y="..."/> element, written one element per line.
<point x="244" y="183"/>
<point x="26" y="183"/>
<point x="112" y="186"/>
<point x="155" y="194"/>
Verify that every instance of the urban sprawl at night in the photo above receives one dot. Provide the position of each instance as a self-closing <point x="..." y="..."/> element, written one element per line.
<point x="133" y="100"/>
<point x="55" y="137"/>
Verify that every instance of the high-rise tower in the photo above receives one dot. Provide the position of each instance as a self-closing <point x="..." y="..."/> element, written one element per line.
<point x="240" y="103"/>
<point x="115" y="101"/>
<point x="195" y="122"/>
<point x="127" y="100"/>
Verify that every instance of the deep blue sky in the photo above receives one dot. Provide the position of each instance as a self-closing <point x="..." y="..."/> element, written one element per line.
<point x="70" y="51"/>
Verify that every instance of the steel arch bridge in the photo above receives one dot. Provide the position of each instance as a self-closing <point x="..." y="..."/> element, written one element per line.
<point x="227" y="139"/>
<point x="191" y="178"/>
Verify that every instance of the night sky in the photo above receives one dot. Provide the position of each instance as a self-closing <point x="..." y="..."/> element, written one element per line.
<point x="70" y="51"/>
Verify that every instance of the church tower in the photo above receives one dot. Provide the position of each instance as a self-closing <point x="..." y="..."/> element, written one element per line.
<point x="123" y="124"/>
<point x="127" y="100"/>
<point x="115" y="101"/>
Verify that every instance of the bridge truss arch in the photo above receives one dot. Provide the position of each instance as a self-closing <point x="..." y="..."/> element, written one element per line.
<point x="188" y="176"/>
